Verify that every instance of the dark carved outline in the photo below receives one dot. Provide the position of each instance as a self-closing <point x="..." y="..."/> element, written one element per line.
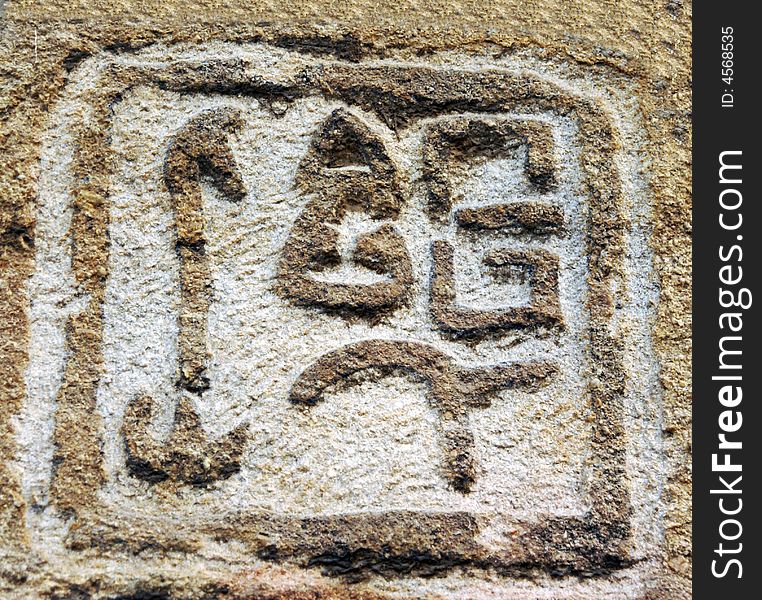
<point x="544" y="309"/>
<point x="199" y="150"/>
<point x="454" y="389"/>
<point x="313" y="244"/>
<point x="513" y="217"/>
<point x="458" y="139"/>
<point x="400" y="542"/>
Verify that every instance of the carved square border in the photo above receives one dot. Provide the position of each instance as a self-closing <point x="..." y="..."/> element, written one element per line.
<point x="398" y="541"/>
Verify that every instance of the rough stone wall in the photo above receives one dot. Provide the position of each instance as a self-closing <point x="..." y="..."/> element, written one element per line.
<point x="333" y="300"/>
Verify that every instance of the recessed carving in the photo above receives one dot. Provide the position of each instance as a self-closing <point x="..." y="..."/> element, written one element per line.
<point x="538" y="267"/>
<point x="463" y="139"/>
<point x="347" y="168"/>
<point x="454" y="389"/>
<point x="187" y="455"/>
<point x="200" y="150"/>
<point x="513" y="217"/>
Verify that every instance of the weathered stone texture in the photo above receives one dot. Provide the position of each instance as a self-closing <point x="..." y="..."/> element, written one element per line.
<point x="334" y="300"/>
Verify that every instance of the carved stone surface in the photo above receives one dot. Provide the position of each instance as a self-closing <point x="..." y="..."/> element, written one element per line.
<point x="343" y="321"/>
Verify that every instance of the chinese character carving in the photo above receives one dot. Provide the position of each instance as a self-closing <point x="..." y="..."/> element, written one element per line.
<point x="538" y="266"/>
<point x="347" y="166"/>
<point x="456" y="140"/>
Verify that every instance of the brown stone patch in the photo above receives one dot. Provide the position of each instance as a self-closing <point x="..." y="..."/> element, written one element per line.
<point x="514" y="217"/>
